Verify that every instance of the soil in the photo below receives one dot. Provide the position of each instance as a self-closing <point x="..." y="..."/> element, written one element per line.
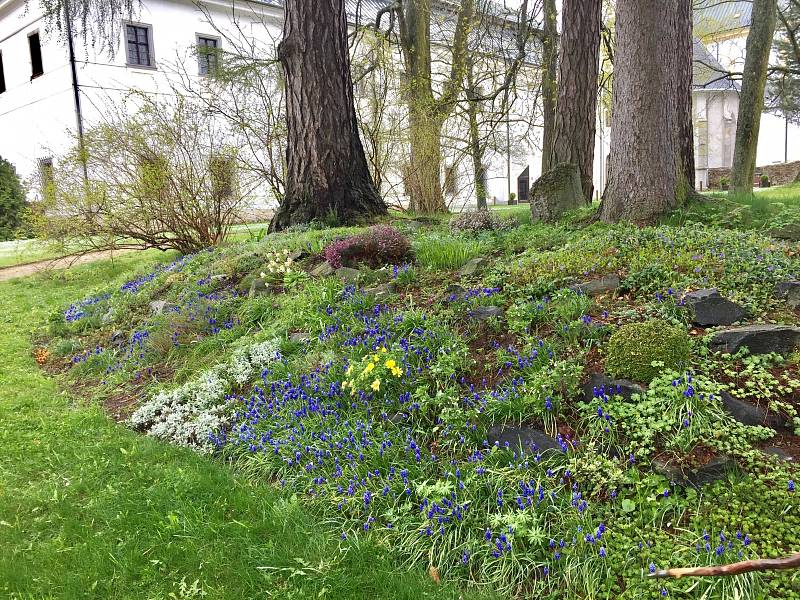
<point x="55" y="264"/>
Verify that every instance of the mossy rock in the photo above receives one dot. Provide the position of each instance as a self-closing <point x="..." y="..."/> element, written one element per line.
<point x="556" y="192"/>
<point x="640" y="351"/>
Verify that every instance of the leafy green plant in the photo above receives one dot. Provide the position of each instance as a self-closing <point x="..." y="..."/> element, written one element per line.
<point x="640" y="351"/>
<point x="12" y="200"/>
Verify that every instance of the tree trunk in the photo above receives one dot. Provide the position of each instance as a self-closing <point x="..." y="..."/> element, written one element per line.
<point x="327" y="173"/>
<point x="424" y="174"/>
<point x="549" y="84"/>
<point x="751" y="98"/>
<point x="576" y="108"/>
<point x="646" y="113"/>
<point x="683" y="79"/>
<point x="427" y="113"/>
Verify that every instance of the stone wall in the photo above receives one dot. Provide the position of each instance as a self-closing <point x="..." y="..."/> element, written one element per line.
<point x="779" y="174"/>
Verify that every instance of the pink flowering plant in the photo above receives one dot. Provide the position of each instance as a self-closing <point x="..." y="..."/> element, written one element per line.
<point x="379" y="244"/>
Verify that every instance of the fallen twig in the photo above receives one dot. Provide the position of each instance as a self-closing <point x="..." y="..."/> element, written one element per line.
<point x="745" y="566"/>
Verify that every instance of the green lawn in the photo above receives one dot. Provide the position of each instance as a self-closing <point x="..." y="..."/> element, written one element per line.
<point x="89" y="509"/>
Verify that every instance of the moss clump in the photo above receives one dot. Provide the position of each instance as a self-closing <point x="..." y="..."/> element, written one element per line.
<point x="640" y="351"/>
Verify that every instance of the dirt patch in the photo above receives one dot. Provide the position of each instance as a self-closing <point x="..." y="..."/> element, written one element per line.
<point x="56" y="264"/>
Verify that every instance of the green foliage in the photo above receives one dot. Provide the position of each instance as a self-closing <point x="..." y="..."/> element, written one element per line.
<point x="447" y="253"/>
<point x="12" y="200"/>
<point x="640" y="351"/>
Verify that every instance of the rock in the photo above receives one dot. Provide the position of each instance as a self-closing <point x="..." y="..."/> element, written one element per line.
<point x="750" y="414"/>
<point x="604" y="384"/>
<point x="483" y="313"/>
<point x="381" y="292"/>
<point x="455" y="293"/>
<point x="714" y="470"/>
<point x="790" y="291"/>
<point x="322" y="270"/>
<point x="596" y="287"/>
<point x="158" y="307"/>
<point x="348" y="274"/>
<point x="395" y="418"/>
<point x="557" y="191"/>
<point x="790" y="231"/>
<point x="118" y="338"/>
<point x="298" y="254"/>
<point x="759" y="339"/>
<point x="108" y="317"/>
<point x="473" y="266"/>
<point x="525" y="438"/>
<point x="413" y="225"/>
<point x="672" y="472"/>
<point x="709" y="308"/>
<point x="778" y="452"/>
<point x="300" y="337"/>
<point x="259" y="287"/>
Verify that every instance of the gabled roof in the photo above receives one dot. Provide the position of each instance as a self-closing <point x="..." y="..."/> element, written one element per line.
<point x="717" y="17"/>
<point x="708" y="73"/>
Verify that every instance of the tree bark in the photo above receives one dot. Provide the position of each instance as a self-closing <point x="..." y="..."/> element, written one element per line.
<point x="576" y="109"/>
<point x="549" y="83"/>
<point x="428" y="113"/>
<point x="477" y="149"/>
<point x="683" y="79"/>
<point x="646" y="163"/>
<point x="327" y="173"/>
<point x="751" y="98"/>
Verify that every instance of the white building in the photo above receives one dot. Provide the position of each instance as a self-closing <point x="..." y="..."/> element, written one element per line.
<point x="43" y="99"/>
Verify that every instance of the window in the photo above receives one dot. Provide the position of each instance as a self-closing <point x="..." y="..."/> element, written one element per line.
<point x="139" y="45"/>
<point x="207" y="54"/>
<point x="35" y="47"/>
<point x="46" y="179"/>
<point x="2" y="75"/>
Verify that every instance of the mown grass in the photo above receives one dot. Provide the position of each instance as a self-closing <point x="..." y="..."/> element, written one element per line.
<point x="89" y="509"/>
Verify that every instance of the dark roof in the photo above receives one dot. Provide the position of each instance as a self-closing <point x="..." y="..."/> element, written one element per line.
<point x="709" y="74"/>
<point x="720" y="16"/>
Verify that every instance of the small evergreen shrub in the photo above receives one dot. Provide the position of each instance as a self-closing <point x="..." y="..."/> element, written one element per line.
<point x="480" y="220"/>
<point x="12" y="200"/>
<point x="380" y="244"/>
<point x="640" y="351"/>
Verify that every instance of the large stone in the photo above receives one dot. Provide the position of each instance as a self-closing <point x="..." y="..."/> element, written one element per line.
<point x="259" y="287"/>
<point x="789" y="291"/>
<point x="484" y="313"/>
<point x="714" y="470"/>
<point x="556" y="192"/>
<point x="709" y="308"/>
<point x="750" y="414"/>
<point x="348" y="274"/>
<point x="158" y="307"/>
<point x="526" y="439"/>
<point x="322" y="270"/>
<point x="597" y="287"/>
<point x="473" y="266"/>
<point x="603" y="384"/>
<point x="382" y="291"/>
<point x="300" y="337"/>
<point x="790" y="232"/>
<point x="778" y="452"/>
<point x="455" y="293"/>
<point x="759" y="339"/>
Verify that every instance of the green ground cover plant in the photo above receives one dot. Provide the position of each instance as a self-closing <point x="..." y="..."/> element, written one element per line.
<point x="384" y="408"/>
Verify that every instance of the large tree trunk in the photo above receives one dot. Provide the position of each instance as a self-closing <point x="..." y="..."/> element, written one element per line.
<point x="683" y="79"/>
<point x="576" y="108"/>
<point x="427" y="113"/>
<point x="326" y="170"/>
<point x="646" y="166"/>
<point x="476" y="148"/>
<point x="549" y="84"/>
<point x="751" y="99"/>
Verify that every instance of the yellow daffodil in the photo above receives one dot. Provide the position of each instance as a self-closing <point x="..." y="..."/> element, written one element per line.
<point x="369" y="368"/>
<point x="376" y="385"/>
<point x="349" y="370"/>
<point x="383" y="349"/>
<point x="390" y="364"/>
<point x="397" y="371"/>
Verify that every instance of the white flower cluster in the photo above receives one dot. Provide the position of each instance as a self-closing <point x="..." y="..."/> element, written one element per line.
<point x="189" y="414"/>
<point x="278" y="263"/>
<point x="247" y="363"/>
